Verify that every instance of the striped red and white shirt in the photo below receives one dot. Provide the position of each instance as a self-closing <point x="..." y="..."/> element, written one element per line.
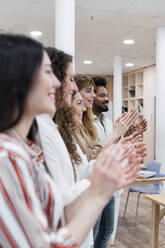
<point x="31" y="206"/>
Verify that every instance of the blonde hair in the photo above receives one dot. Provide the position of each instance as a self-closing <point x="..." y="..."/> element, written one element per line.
<point x="85" y="82"/>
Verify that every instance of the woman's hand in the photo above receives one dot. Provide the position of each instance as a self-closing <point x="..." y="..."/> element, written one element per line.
<point x="123" y="123"/>
<point x="121" y="127"/>
<point x="137" y="142"/>
<point x="139" y="128"/>
<point x="113" y="170"/>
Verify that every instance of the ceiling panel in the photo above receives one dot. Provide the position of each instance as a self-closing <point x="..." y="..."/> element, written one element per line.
<point x="103" y="6"/>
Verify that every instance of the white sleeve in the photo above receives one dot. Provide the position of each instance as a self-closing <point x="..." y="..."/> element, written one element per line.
<point x="53" y="157"/>
<point x="85" y="168"/>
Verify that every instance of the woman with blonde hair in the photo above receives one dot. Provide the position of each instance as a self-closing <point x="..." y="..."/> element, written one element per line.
<point x="87" y="133"/>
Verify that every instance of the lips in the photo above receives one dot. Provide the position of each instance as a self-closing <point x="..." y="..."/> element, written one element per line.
<point x="90" y="101"/>
<point x="52" y="95"/>
<point x="106" y="103"/>
<point x="80" y="117"/>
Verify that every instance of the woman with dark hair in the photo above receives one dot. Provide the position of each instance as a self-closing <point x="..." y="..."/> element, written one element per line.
<point x="31" y="209"/>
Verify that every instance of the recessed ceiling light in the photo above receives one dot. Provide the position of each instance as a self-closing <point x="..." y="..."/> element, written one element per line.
<point x="87" y="62"/>
<point x="36" y="33"/>
<point x="128" y="42"/>
<point x="129" y="64"/>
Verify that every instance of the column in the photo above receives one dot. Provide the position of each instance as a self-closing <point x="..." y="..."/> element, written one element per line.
<point x="160" y="99"/>
<point x="117" y="87"/>
<point x="65" y="25"/>
<point x="117" y="111"/>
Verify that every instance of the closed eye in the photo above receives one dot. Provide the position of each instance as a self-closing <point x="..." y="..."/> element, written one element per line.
<point x="79" y="102"/>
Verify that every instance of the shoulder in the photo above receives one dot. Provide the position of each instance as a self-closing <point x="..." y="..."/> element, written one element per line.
<point x="9" y="146"/>
<point x="95" y="118"/>
<point x="46" y="125"/>
<point x="44" y="119"/>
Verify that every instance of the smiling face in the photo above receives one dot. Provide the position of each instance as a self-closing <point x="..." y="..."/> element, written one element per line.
<point x="101" y="100"/>
<point x="70" y="86"/>
<point x="41" y="98"/>
<point x="78" y="107"/>
<point x="88" y="96"/>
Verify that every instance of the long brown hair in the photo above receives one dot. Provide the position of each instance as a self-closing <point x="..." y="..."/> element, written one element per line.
<point x="85" y="82"/>
<point x="66" y="125"/>
<point x="64" y="114"/>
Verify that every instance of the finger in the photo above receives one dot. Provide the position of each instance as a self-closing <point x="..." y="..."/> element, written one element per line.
<point x="127" y="180"/>
<point x="118" y="119"/>
<point x="129" y="115"/>
<point x="129" y="152"/>
<point x="131" y="165"/>
<point x="134" y="171"/>
<point x="132" y="119"/>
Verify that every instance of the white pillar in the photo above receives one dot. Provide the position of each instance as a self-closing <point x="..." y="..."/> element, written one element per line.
<point x="160" y="98"/>
<point x="117" y="111"/>
<point x="65" y="26"/>
<point x="117" y="87"/>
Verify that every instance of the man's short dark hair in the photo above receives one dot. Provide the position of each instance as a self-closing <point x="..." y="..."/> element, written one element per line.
<point x="100" y="81"/>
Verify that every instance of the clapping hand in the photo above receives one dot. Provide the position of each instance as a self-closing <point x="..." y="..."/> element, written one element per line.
<point x="124" y="122"/>
<point x="116" y="167"/>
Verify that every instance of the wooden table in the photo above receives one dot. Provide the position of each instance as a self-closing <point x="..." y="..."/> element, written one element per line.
<point x="157" y="214"/>
<point x="152" y="179"/>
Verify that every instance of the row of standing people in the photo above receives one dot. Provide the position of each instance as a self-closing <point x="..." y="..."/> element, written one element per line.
<point x="53" y="198"/>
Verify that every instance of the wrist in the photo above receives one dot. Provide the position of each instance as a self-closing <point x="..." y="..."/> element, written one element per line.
<point x="98" y="200"/>
<point x="115" y="136"/>
<point x="99" y="196"/>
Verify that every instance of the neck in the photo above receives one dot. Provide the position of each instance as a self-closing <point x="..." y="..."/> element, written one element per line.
<point x="23" y="127"/>
<point x="96" y="112"/>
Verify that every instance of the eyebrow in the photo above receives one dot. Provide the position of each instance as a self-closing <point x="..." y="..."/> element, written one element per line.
<point x="89" y="88"/>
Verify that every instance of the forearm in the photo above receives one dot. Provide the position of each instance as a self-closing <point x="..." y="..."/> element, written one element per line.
<point x="74" y="207"/>
<point x="85" y="218"/>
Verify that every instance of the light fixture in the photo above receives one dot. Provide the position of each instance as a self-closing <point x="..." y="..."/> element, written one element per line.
<point x="87" y="62"/>
<point x="35" y="33"/>
<point x="129" y="64"/>
<point x="128" y="42"/>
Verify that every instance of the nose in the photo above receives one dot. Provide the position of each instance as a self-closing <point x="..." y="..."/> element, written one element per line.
<point x="83" y="108"/>
<point x="56" y="82"/>
<point x="93" y="94"/>
<point x="106" y="99"/>
<point x="74" y="87"/>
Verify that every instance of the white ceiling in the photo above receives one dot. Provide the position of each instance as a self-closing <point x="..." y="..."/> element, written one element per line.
<point x="23" y="16"/>
<point x="98" y="38"/>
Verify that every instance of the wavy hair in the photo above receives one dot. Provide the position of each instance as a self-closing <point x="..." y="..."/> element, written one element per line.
<point x="64" y="114"/>
<point x="85" y="82"/>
